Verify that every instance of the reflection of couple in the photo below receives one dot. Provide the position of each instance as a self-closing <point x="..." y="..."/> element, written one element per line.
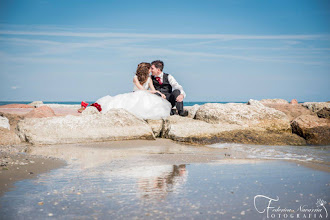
<point x="153" y="97"/>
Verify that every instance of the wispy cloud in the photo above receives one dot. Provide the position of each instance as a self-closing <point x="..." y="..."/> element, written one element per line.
<point x="15" y="87"/>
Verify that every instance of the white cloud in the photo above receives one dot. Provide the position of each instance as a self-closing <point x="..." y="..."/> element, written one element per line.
<point x="15" y="87"/>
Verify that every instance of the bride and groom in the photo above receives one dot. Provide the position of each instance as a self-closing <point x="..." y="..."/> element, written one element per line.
<point x="153" y="97"/>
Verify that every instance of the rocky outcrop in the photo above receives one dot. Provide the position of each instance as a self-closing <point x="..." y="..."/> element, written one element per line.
<point x="324" y="113"/>
<point x="8" y="137"/>
<point x="294" y="102"/>
<point x="117" y="124"/>
<point x="200" y="132"/>
<point x="254" y="114"/>
<point x="4" y="123"/>
<point x="157" y="127"/>
<point x="274" y="101"/>
<point x="291" y="111"/>
<point x="315" y="130"/>
<point x="36" y="104"/>
<point x="16" y="106"/>
<point x="41" y="112"/>
<point x="192" y="110"/>
<point x="316" y="106"/>
<point x="90" y="110"/>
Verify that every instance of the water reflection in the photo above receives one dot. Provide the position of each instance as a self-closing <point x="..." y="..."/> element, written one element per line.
<point x="163" y="182"/>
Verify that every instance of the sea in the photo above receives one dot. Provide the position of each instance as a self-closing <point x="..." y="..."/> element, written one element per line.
<point x="78" y="102"/>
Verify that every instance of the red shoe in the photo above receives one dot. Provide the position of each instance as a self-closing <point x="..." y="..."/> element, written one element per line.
<point x="83" y="106"/>
<point x="96" y="105"/>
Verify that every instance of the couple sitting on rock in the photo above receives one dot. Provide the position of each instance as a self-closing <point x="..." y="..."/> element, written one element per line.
<point x="153" y="97"/>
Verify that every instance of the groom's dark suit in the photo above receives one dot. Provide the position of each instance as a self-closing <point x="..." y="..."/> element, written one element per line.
<point x="166" y="88"/>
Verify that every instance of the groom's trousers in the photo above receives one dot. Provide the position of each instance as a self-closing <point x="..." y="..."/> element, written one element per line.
<point x="171" y="97"/>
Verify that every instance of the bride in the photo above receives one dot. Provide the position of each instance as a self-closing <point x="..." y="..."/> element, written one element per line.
<point x="142" y="102"/>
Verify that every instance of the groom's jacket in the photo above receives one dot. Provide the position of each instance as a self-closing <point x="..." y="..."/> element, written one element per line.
<point x="165" y="87"/>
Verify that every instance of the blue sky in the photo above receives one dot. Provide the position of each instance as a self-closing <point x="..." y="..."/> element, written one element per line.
<point x="218" y="50"/>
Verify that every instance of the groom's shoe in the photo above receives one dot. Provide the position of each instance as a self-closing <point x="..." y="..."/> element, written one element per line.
<point x="183" y="113"/>
<point x="173" y="112"/>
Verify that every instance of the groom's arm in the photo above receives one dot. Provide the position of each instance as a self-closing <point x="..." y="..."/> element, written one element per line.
<point x="176" y="85"/>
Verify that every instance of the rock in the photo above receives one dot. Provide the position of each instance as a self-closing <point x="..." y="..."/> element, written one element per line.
<point x="4" y="123"/>
<point x="41" y="112"/>
<point x="316" y="106"/>
<point x="13" y="119"/>
<point x="117" y="124"/>
<point x="90" y="110"/>
<point x="252" y="115"/>
<point x="315" y="130"/>
<point x="291" y="111"/>
<point x="255" y="103"/>
<point x="194" y="131"/>
<point x="8" y="137"/>
<point x="274" y="101"/>
<point x="192" y="110"/>
<point x="156" y="126"/>
<point x="294" y="102"/>
<point x="36" y="104"/>
<point x="324" y="113"/>
<point x="16" y="106"/>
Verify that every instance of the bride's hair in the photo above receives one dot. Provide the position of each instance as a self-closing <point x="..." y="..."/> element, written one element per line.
<point x="142" y="72"/>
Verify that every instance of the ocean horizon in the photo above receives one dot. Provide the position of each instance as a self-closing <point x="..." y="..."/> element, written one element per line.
<point x="90" y="102"/>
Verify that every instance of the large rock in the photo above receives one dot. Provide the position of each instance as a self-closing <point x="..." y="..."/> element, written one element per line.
<point x="200" y="132"/>
<point x="41" y="112"/>
<point x="157" y="126"/>
<point x="36" y="104"/>
<point x="316" y="106"/>
<point x="192" y="110"/>
<point x="117" y="124"/>
<point x="4" y="123"/>
<point x="315" y="130"/>
<point x="274" y="101"/>
<point x="291" y="110"/>
<point x="8" y="137"/>
<point x="16" y="106"/>
<point x="324" y="113"/>
<point x="13" y="119"/>
<point x="254" y="114"/>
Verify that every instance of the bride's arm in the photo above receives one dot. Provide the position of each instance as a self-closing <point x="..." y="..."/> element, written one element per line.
<point x="153" y="90"/>
<point x="137" y="83"/>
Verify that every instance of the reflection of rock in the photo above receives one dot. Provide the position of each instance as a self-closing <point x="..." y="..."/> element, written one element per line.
<point x="116" y="124"/>
<point x="324" y="113"/>
<point x="316" y="106"/>
<point x="315" y="130"/>
<point x="274" y="101"/>
<point x="4" y="123"/>
<point x="41" y="112"/>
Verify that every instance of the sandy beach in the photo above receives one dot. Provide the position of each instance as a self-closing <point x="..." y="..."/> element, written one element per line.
<point x="158" y="179"/>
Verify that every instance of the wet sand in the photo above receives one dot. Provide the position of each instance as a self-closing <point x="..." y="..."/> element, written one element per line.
<point x="16" y="164"/>
<point x="162" y="179"/>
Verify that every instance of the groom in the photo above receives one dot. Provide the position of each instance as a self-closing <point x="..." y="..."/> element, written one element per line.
<point x="166" y="84"/>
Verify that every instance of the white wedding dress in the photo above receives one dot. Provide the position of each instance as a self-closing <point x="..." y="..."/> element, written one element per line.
<point x="141" y="103"/>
